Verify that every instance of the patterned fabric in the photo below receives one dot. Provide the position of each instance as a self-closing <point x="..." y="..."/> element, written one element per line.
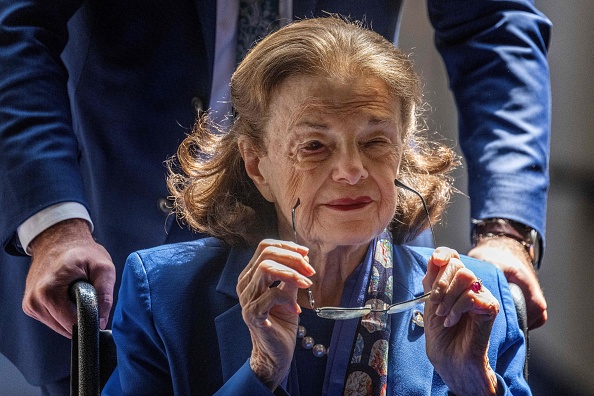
<point x="257" y="18"/>
<point x="367" y="373"/>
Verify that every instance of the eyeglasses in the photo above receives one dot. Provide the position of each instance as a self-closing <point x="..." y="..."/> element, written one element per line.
<point x="342" y="313"/>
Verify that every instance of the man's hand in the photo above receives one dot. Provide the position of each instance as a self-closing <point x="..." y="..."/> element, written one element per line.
<point x="62" y="254"/>
<point x="509" y="256"/>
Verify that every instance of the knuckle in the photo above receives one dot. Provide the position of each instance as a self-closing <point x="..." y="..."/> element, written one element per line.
<point x="105" y="299"/>
<point x="267" y="252"/>
<point x="466" y="273"/>
<point x="107" y="269"/>
<point x="441" y="284"/>
<point x="272" y="250"/>
<point x="266" y="243"/>
<point x="43" y="293"/>
<point x="266" y="264"/>
<point x="494" y="308"/>
<point x="251" y="315"/>
<point x="240" y="286"/>
<point x="30" y="308"/>
<point x="27" y="308"/>
<point x="456" y="264"/>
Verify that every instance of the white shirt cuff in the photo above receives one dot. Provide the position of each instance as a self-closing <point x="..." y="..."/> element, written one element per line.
<point x="49" y="216"/>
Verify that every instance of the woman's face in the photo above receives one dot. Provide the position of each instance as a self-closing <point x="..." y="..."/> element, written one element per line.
<point x="336" y="145"/>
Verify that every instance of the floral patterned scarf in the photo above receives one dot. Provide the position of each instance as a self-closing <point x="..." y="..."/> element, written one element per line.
<point x="367" y="372"/>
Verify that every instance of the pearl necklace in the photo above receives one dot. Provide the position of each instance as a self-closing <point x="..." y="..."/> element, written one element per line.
<point x="308" y="342"/>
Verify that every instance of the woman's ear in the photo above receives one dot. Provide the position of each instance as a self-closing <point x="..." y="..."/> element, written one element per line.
<point x="252" y="167"/>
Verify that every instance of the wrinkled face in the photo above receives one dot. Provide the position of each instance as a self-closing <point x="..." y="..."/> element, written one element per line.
<point x="336" y="145"/>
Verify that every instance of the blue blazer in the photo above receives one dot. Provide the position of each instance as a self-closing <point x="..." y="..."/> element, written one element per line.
<point x="95" y="95"/>
<point x="178" y="325"/>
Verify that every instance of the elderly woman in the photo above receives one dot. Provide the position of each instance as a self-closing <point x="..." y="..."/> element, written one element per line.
<point x="309" y="199"/>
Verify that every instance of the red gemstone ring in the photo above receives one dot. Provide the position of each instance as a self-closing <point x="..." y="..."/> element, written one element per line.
<point x="477" y="285"/>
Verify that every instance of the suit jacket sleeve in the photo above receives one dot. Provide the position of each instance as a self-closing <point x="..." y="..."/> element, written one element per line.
<point x="495" y="55"/>
<point x="144" y="365"/>
<point x="38" y="165"/>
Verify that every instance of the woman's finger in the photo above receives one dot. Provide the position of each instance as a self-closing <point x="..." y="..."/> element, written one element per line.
<point x="271" y="271"/>
<point x="446" y="272"/>
<point x="256" y="312"/>
<point x="286" y="253"/>
<point x="482" y="305"/>
<point x="267" y="243"/>
<point x="441" y="256"/>
<point x="268" y="273"/>
<point x="457" y="283"/>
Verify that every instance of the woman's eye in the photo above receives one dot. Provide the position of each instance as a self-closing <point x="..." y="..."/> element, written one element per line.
<point x="313" y="146"/>
<point x="378" y="147"/>
<point x="376" y="143"/>
<point x="312" y="151"/>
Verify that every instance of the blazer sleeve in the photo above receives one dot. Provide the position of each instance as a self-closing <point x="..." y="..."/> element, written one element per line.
<point x="142" y="367"/>
<point x="146" y="363"/>
<point x="38" y="165"/>
<point x="511" y="351"/>
<point x="495" y="56"/>
<point x="245" y="382"/>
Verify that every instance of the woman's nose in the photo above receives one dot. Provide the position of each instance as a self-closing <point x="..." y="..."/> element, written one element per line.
<point x="349" y="167"/>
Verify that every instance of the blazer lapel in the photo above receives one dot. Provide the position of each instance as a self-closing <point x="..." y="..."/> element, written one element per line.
<point x="234" y="338"/>
<point x="235" y="344"/>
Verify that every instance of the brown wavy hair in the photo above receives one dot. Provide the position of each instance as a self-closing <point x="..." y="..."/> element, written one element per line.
<point x="207" y="179"/>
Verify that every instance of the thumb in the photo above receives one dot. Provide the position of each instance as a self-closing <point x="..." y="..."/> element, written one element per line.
<point x="440" y="258"/>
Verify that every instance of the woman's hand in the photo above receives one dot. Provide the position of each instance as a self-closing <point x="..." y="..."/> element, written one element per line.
<point x="272" y="313"/>
<point x="458" y="324"/>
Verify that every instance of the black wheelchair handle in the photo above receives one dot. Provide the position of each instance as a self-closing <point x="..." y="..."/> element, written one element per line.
<point x="522" y="314"/>
<point x="84" y="372"/>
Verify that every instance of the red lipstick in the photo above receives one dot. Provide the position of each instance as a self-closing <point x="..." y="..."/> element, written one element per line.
<point x="349" y="203"/>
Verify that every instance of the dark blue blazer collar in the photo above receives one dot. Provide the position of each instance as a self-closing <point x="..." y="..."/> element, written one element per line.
<point x="236" y="261"/>
<point x="234" y="339"/>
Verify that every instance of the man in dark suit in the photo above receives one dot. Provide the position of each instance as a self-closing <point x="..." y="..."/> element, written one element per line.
<point x="95" y="95"/>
